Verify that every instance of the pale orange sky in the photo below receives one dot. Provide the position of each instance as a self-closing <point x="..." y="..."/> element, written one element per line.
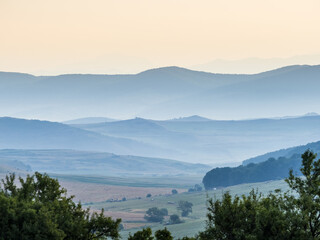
<point x="109" y="36"/>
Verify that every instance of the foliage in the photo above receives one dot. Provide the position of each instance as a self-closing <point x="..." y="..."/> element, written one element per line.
<point x="146" y="234"/>
<point x="174" y="191"/>
<point x="175" y="219"/>
<point x="155" y="214"/>
<point x="308" y="190"/>
<point x="163" y="234"/>
<point x="148" y="195"/>
<point x="185" y="207"/>
<point x="197" y="188"/>
<point x="272" y="169"/>
<point x="40" y="209"/>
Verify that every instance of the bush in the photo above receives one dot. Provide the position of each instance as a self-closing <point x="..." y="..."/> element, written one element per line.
<point x="175" y="219"/>
<point x="155" y="214"/>
<point x="146" y="234"/>
<point x="185" y="207"/>
<point x="174" y="191"/>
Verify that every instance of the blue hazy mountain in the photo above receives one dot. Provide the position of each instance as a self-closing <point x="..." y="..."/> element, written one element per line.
<point x="162" y="94"/>
<point x="35" y="134"/>
<point x="288" y="152"/>
<point x="215" y="142"/>
<point x="194" y="118"/>
<point x="89" y="120"/>
<point x="287" y="91"/>
<point x="94" y="163"/>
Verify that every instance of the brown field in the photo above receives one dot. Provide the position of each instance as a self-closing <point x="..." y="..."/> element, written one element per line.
<point x="92" y="192"/>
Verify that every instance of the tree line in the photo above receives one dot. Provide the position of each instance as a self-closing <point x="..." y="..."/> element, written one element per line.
<point x="272" y="169"/>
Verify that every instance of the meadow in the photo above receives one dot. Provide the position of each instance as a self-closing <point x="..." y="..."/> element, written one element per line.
<point x="132" y="211"/>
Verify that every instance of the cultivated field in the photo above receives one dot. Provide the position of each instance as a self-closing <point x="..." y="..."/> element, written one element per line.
<point x="132" y="211"/>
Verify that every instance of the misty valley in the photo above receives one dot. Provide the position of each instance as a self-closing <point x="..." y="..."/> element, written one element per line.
<point x="155" y="149"/>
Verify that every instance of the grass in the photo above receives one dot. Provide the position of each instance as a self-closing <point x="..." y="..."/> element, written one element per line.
<point x="155" y="182"/>
<point x="196" y="221"/>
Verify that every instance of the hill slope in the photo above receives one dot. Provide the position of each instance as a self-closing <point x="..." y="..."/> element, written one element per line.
<point x="288" y="152"/>
<point x="162" y="93"/>
<point x="272" y="169"/>
<point x="96" y="163"/>
<point x="215" y="142"/>
<point x="35" y="134"/>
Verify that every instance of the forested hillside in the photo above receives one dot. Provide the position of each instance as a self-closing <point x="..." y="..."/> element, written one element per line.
<point x="272" y="169"/>
<point x="314" y="146"/>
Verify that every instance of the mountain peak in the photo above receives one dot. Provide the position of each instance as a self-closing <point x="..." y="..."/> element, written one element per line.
<point x="193" y="118"/>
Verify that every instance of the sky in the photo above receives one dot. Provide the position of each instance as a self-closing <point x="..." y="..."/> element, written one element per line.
<point x="46" y="37"/>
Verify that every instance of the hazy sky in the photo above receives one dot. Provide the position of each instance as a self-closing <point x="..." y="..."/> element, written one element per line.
<point x="109" y="36"/>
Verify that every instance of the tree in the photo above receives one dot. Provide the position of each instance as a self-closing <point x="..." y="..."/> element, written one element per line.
<point x="148" y="195"/>
<point x="308" y="190"/>
<point x="146" y="234"/>
<point x="185" y="207"/>
<point x="40" y="209"/>
<point x="175" y="219"/>
<point x="197" y="188"/>
<point x="174" y="191"/>
<point x="163" y="234"/>
<point x="155" y="214"/>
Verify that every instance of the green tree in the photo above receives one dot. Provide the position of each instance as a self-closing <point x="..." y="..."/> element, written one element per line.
<point x="185" y="207"/>
<point x="175" y="219"/>
<point x="155" y="214"/>
<point x="163" y="234"/>
<point x="144" y="234"/>
<point x="308" y="189"/>
<point x="40" y="209"/>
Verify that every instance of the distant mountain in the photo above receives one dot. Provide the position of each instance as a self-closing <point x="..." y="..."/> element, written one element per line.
<point x="97" y="163"/>
<point x="13" y="165"/>
<point x="271" y="93"/>
<point x="255" y="65"/>
<point x="35" y="134"/>
<point x="288" y="152"/>
<point x="65" y="96"/>
<point x="194" y="118"/>
<point x="162" y="93"/>
<point x="214" y="142"/>
<point x="89" y="120"/>
<point x="131" y="127"/>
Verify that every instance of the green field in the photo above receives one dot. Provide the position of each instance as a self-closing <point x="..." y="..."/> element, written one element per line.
<point x="186" y="181"/>
<point x="196" y="221"/>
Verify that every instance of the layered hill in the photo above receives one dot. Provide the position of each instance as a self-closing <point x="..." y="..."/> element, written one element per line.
<point x="198" y="139"/>
<point x="35" y="134"/>
<point x="94" y="163"/>
<point x="288" y="152"/>
<point x="161" y="94"/>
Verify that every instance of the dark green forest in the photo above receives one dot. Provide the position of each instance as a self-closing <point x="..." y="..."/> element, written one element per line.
<point x="272" y="169"/>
